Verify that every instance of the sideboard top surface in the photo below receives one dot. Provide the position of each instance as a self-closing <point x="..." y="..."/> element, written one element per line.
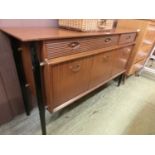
<point x="38" y="34"/>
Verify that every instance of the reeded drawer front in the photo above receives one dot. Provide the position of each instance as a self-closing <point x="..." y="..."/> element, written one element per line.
<point x="72" y="46"/>
<point x="127" y="38"/>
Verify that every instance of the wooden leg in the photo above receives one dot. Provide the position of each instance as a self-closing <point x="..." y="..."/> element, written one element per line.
<point x="21" y="76"/>
<point x="38" y="85"/>
<point x="120" y="80"/>
<point x="124" y="78"/>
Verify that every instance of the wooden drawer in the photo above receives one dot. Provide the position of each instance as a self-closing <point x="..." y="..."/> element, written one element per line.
<point x="55" y="49"/>
<point x="127" y="38"/>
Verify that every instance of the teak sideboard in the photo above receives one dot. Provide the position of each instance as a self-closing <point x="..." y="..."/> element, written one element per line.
<point x="60" y="66"/>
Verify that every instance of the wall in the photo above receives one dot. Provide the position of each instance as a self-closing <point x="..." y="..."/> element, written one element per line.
<point x="28" y="22"/>
<point x="11" y="103"/>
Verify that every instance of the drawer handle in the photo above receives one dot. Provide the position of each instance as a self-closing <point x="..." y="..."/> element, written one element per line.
<point x="75" y="68"/>
<point x="128" y="49"/>
<point x="107" y="40"/>
<point x="74" y="45"/>
<point x="128" y="37"/>
<point x="105" y="58"/>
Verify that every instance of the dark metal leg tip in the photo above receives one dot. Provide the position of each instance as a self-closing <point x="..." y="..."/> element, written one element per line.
<point x="28" y="114"/>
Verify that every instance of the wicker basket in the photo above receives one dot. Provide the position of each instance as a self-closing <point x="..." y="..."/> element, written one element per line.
<point x="87" y="24"/>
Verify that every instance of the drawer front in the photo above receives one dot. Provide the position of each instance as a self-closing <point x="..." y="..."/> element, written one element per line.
<point x="72" y="46"/>
<point x="127" y="38"/>
<point x="67" y="80"/>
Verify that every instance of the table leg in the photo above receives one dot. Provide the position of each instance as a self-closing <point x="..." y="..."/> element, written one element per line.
<point x="124" y="78"/>
<point x="120" y="79"/>
<point x="38" y="86"/>
<point x="21" y="76"/>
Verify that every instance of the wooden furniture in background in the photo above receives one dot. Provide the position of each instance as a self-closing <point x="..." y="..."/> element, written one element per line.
<point x="144" y="42"/>
<point x="61" y="66"/>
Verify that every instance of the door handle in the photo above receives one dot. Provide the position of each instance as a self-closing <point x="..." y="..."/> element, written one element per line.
<point x="75" y="68"/>
<point x="74" y="45"/>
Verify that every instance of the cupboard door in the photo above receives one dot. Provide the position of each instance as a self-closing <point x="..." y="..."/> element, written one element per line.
<point x="101" y="68"/>
<point x="120" y="59"/>
<point x="69" y="80"/>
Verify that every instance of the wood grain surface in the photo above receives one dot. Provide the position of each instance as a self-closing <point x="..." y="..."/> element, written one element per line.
<point x="36" y="34"/>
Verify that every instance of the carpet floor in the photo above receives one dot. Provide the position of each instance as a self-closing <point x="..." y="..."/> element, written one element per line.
<point x="128" y="109"/>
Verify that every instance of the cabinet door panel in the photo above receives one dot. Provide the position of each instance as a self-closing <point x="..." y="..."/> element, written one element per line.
<point x="120" y="59"/>
<point x="101" y="69"/>
<point x="69" y="79"/>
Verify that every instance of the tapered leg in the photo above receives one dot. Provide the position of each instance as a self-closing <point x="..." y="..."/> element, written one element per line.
<point x="20" y="71"/>
<point x="124" y="78"/>
<point x="38" y="85"/>
<point x="120" y="80"/>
